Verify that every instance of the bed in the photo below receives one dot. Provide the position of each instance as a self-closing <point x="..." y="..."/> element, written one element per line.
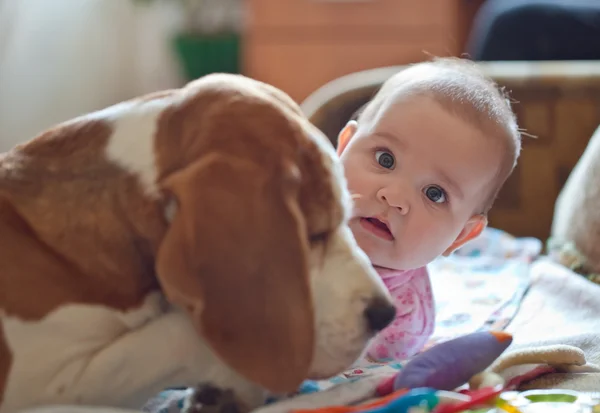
<point x="503" y="278"/>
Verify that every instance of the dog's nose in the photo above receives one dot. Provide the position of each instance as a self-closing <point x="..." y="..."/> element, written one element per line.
<point x="379" y="314"/>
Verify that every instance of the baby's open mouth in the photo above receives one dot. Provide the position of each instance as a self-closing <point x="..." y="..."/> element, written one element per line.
<point x="377" y="227"/>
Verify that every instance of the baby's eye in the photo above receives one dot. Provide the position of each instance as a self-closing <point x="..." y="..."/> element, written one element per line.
<point x="385" y="159"/>
<point x="435" y="194"/>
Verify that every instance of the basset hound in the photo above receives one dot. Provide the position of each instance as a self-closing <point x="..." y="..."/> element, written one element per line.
<point x="196" y="235"/>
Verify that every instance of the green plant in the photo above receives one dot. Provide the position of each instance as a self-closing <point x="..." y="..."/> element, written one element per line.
<point x="210" y="39"/>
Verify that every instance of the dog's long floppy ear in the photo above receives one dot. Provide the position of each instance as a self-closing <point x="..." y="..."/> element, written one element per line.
<point x="235" y="257"/>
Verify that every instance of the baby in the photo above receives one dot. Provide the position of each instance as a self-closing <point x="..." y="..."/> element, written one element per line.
<point x="424" y="160"/>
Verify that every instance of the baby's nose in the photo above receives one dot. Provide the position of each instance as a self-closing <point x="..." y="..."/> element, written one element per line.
<point x="395" y="200"/>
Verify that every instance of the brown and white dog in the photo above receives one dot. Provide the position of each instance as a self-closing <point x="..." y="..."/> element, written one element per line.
<point x="192" y="235"/>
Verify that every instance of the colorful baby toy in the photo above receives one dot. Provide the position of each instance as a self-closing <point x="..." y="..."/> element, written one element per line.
<point x="429" y="383"/>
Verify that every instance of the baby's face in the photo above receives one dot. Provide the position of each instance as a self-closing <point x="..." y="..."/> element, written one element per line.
<point x="419" y="175"/>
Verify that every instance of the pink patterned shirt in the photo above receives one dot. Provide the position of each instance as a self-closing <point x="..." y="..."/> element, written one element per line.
<point x="415" y="316"/>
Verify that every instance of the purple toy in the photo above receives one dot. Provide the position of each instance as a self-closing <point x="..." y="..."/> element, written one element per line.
<point x="451" y="364"/>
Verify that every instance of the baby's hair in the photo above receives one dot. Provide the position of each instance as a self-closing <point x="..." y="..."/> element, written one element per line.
<point x="462" y="89"/>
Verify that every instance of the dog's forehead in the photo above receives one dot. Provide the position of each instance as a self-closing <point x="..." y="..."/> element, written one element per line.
<point x="269" y="126"/>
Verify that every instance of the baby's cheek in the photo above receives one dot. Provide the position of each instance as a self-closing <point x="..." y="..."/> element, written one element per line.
<point x="428" y="243"/>
<point x="364" y="242"/>
<point x="353" y="177"/>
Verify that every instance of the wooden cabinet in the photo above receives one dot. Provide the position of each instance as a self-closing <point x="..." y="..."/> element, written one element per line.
<point x="299" y="45"/>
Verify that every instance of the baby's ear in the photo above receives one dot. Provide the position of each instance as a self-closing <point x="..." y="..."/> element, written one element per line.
<point x="345" y="135"/>
<point x="472" y="229"/>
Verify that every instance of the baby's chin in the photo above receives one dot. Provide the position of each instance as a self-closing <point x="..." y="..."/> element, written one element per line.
<point x="381" y="256"/>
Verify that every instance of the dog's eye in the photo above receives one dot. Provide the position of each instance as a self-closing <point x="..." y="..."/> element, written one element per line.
<point x="319" y="238"/>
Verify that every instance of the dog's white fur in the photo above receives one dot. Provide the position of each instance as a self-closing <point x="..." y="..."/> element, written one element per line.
<point x="102" y="357"/>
